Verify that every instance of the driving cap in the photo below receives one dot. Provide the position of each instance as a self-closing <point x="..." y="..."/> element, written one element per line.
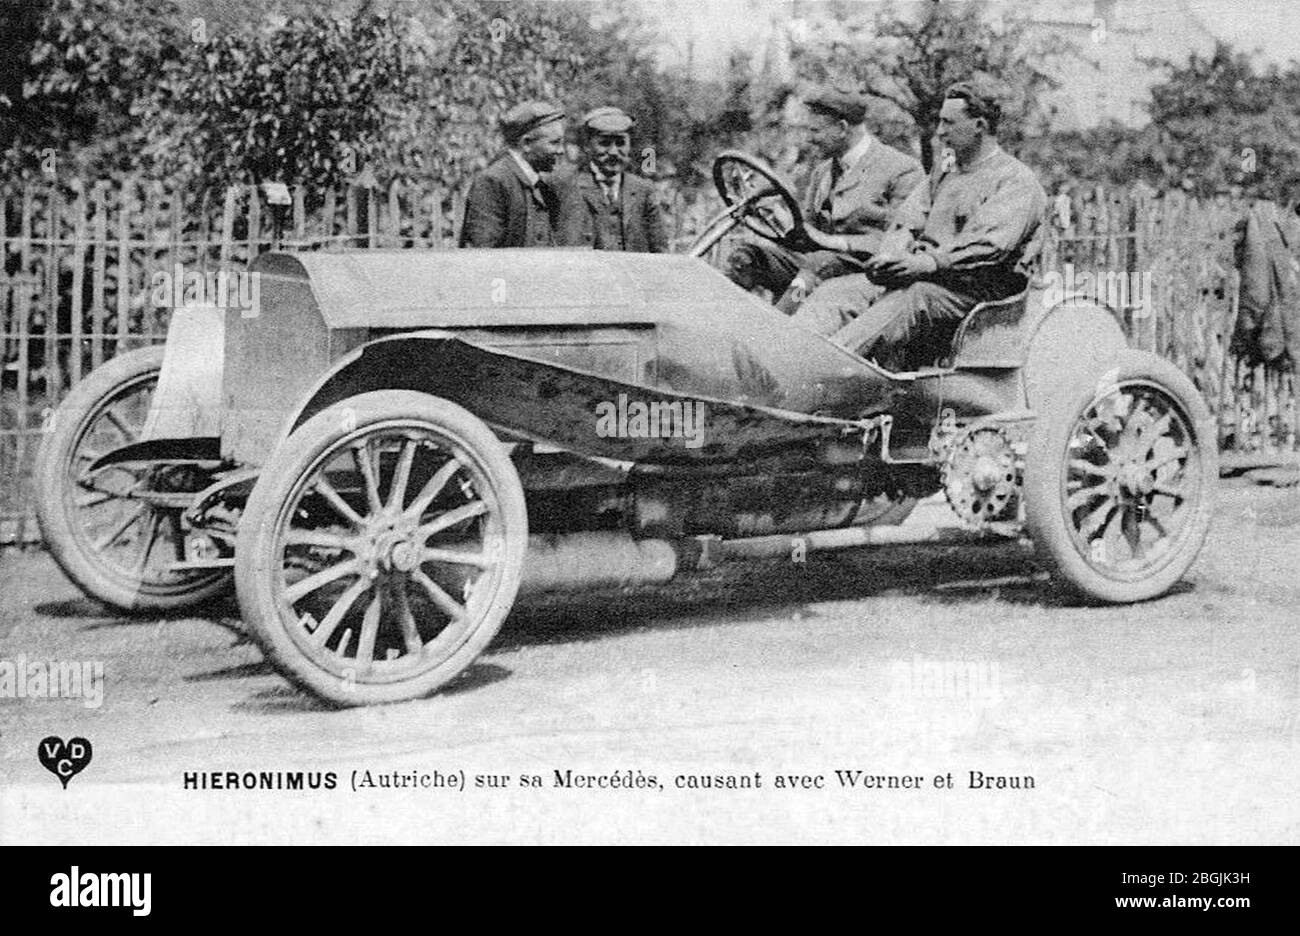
<point x="834" y="102"/>
<point x="607" y="120"/>
<point x="526" y="117"/>
<point x="982" y="97"/>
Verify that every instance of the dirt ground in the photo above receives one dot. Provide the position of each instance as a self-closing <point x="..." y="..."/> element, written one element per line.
<point x="1176" y="721"/>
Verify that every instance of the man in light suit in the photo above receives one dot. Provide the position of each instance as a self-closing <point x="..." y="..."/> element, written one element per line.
<point x="602" y="205"/>
<point x="853" y="190"/>
<point x="510" y="203"/>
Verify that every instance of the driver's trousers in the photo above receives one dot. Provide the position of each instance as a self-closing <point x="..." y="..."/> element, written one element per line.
<point x="902" y="329"/>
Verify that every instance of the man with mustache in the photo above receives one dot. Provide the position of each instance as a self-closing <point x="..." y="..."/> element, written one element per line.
<point x="602" y="205"/>
<point x="510" y="204"/>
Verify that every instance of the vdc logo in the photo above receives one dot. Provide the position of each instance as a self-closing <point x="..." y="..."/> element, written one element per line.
<point x="64" y="759"/>
<point x="75" y="889"/>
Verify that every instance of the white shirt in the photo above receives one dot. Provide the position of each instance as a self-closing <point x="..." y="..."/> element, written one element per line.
<point x="854" y="155"/>
<point x="615" y="182"/>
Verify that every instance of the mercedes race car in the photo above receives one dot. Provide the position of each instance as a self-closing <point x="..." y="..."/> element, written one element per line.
<point x="397" y="443"/>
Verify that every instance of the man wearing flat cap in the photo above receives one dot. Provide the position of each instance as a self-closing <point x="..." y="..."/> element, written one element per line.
<point x="510" y="203"/>
<point x="853" y="190"/>
<point x="972" y="234"/>
<point x="602" y="205"/>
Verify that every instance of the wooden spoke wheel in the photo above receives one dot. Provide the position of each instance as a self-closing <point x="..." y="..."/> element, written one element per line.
<point x="102" y="528"/>
<point x="382" y="547"/>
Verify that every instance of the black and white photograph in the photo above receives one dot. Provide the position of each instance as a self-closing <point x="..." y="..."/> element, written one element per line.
<point x="651" y="422"/>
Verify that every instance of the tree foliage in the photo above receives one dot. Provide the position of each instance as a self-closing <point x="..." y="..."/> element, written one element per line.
<point x="307" y="99"/>
<point x="323" y="93"/>
<point x="90" y="70"/>
<point x="320" y="93"/>
<point x="907" y="60"/>
<point x="487" y="57"/>
<point x="1217" y="124"/>
<point x="1221" y="122"/>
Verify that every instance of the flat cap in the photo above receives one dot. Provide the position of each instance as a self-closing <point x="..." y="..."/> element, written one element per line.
<point x="607" y="120"/>
<point x="983" y="98"/>
<point x="526" y="117"/>
<point x="835" y="102"/>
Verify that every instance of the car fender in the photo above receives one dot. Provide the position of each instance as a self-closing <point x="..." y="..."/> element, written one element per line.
<point x="1067" y="343"/>
<point x="545" y="402"/>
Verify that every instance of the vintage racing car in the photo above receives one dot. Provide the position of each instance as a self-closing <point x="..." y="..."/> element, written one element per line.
<point x="398" y="441"/>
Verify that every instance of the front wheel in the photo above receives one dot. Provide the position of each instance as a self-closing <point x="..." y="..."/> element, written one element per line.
<point x="1119" y="481"/>
<point x="381" y="548"/>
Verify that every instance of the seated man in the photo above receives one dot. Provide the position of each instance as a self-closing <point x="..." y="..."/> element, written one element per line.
<point x="971" y="235"/>
<point x="853" y="191"/>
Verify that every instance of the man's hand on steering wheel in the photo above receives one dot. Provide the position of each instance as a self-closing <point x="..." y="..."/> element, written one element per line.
<point x="797" y="240"/>
<point x="901" y="269"/>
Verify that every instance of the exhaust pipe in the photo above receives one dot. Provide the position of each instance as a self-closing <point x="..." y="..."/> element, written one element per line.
<point x="576" y="561"/>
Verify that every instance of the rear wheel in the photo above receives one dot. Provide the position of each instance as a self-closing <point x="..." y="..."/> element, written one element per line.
<point x="1119" y="481"/>
<point x="381" y="548"/>
<point x="107" y="537"/>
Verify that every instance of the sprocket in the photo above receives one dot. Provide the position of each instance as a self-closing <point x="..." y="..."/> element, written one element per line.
<point x="981" y="476"/>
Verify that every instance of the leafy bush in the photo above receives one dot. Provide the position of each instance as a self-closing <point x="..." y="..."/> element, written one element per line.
<point x="91" y="71"/>
<point x="304" y="100"/>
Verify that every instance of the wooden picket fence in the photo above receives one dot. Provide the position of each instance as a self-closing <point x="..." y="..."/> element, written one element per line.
<point x="76" y="266"/>
<point x="1185" y="245"/>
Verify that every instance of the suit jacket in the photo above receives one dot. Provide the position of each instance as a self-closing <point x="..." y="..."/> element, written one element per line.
<point x="865" y="195"/>
<point x="503" y="210"/>
<point x="635" y="224"/>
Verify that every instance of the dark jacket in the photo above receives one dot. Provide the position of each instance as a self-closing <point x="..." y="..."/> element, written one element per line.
<point x="635" y="224"/>
<point x="1268" y="320"/>
<point x="502" y="210"/>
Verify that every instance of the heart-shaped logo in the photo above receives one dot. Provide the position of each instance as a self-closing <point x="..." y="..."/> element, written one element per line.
<point x="64" y="759"/>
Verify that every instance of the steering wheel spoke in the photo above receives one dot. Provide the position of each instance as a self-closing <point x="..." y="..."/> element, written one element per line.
<point x="757" y="196"/>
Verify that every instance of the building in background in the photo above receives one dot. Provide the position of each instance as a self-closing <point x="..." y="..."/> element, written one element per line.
<point x="1104" y="74"/>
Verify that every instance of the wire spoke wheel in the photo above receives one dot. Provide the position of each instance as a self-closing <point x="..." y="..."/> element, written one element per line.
<point x="394" y="552"/>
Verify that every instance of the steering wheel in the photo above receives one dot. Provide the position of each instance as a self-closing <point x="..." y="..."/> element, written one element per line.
<point x="756" y="196"/>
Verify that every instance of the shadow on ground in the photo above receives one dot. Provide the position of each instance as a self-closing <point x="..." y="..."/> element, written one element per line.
<point x="756" y="590"/>
<point x="287" y="699"/>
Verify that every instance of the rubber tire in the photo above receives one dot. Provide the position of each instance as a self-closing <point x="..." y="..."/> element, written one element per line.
<point x="255" y="543"/>
<point x="1045" y="460"/>
<point x="73" y="556"/>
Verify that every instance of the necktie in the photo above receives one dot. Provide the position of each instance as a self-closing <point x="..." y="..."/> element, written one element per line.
<point x="836" y="172"/>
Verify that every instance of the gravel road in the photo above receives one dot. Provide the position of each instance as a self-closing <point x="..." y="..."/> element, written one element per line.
<point x="905" y="695"/>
